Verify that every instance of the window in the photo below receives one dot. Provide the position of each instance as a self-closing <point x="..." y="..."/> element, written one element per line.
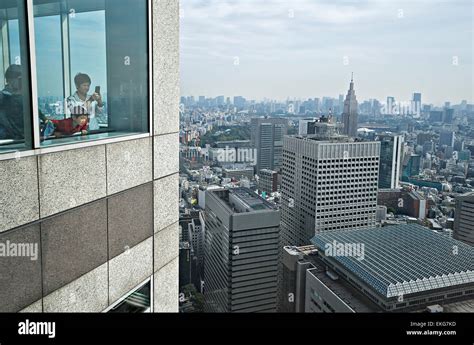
<point x="136" y="302"/>
<point x="15" y="107"/>
<point x="92" y="68"/>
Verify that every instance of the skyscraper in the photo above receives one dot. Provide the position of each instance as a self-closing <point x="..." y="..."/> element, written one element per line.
<point x="327" y="184"/>
<point x="349" y="115"/>
<point x="417" y="97"/>
<point x="411" y="165"/>
<point x="464" y="219"/>
<point x="448" y="115"/>
<point x="390" y="160"/>
<point x="417" y="102"/>
<point x="241" y="252"/>
<point x="447" y="137"/>
<point x="267" y="138"/>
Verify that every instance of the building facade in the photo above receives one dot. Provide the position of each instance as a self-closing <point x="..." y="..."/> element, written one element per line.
<point x="390" y="160"/>
<point x="327" y="185"/>
<point x="268" y="181"/>
<point x="241" y="252"/>
<point x="464" y="219"/>
<point x="267" y="138"/>
<point x="99" y="210"/>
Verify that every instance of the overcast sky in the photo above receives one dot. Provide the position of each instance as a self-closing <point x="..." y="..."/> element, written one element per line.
<point x="308" y="48"/>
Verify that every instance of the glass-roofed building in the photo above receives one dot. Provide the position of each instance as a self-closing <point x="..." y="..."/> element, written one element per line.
<point x="402" y="267"/>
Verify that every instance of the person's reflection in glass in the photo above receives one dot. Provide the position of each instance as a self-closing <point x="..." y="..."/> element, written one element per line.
<point x="11" y="105"/>
<point x="93" y="103"/>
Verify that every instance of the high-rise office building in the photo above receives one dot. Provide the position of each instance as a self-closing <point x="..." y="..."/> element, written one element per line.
<point x="464" y="218"/>
<point x="241" y="252"/>
<point x="448" y="115"/>
<point x="98" y="211"/>
<point x="268" y="181"/>
<point x="267" y="138"/>
<point x="196" y="239"/>
<point x="436" y="116"/>
<point x="412" y="164"/>
<point x="390" y="160"/>
<point x="291" y="297"/>
<point x="417" y="98"/>
<point x="185" y="264"/>
<point x="389" y="107"/>
<point x="447" y="137"/>
<point x="417" y="103"/>
<point x="349" y="114"/>
<point x="327" y="184"/>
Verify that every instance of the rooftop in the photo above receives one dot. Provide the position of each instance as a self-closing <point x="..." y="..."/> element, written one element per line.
<point x="348" y="294"/>
<point x="466" y="197"/>
<point x="241" y="200"/>
<point x="403" y="259"/>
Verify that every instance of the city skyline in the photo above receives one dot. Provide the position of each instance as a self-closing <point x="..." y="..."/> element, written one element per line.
<point x="280" y="49"/>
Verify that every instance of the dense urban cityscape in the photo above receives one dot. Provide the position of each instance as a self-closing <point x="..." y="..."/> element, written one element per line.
<point x="266" y="185"/>
<point x="236" y="172"/>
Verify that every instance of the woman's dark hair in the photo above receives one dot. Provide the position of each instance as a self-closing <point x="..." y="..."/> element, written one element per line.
<point x="81" y="78"/>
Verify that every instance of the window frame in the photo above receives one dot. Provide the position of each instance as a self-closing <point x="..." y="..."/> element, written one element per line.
<point x="36" y="148"/>
<point x="129" y="292"/>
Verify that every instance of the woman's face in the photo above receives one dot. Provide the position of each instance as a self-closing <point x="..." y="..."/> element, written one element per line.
<point x="83" y="89"/>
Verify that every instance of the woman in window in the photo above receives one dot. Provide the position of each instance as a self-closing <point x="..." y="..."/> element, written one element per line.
<point x="93" y="103"/>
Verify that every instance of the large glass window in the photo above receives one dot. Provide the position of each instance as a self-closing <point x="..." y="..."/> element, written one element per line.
<point x="15" y="108"/>
<point x="92" y="69"/>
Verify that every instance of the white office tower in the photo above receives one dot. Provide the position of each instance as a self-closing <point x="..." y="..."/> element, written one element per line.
<point x="328" y="183"/>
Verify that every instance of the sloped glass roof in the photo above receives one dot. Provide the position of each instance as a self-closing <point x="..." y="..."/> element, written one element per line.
<point x="402" y="259"/>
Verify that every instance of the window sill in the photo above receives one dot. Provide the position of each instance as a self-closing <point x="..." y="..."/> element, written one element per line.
<point x="72" y="143"/>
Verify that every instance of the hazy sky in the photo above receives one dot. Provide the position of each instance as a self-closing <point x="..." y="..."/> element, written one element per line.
<point x="308" y="48"/>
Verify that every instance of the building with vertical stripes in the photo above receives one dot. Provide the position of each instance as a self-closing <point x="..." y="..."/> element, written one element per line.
<point x="241" y="252"/>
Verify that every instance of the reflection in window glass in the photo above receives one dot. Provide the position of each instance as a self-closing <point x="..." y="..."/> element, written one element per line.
<point x="88" y="29"/>
<point x="49" y="68"/>
<point x="137" y="302"/>
<point x="14" y="41"/>
<point x="97" y="86"/>
<point x="15" y="113"/>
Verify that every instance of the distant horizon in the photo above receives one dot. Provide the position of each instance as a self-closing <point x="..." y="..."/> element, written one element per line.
<point x="279" y="49"/>
<point x="302" y="99"/>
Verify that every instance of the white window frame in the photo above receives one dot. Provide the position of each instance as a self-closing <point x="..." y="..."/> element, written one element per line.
<point x="37" y="149"/>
